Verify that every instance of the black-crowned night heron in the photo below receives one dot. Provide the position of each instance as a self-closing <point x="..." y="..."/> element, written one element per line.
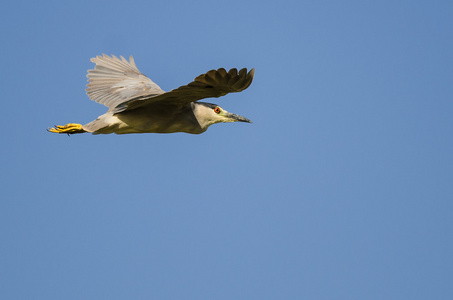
<point x="138" y="105"/>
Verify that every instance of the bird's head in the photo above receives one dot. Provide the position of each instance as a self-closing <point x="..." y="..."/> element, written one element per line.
<point x="208" y="114"/>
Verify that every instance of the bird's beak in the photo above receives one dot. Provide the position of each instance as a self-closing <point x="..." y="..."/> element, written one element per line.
<point x="237" y="118"/>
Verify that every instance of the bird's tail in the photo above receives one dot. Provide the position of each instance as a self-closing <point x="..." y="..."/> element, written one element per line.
<point x="70" y="128"/>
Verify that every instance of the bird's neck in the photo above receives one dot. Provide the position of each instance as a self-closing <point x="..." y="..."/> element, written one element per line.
<point x="202" y="113"/>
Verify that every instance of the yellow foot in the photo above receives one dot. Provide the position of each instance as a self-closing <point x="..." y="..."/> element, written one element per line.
<point x="68" y="128"/>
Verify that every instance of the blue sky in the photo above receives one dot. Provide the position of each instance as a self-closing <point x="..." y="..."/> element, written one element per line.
<point x="340" y="189"/>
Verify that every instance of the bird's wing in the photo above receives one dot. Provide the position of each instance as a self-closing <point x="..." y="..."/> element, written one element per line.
<point x="114" y="81"/>
<point x="214" y="83"/>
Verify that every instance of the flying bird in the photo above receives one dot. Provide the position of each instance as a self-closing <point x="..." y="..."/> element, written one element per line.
<point x="138" y="105"/>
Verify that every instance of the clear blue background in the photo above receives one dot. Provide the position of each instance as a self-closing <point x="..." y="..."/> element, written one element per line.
<point x="342" y="188"/>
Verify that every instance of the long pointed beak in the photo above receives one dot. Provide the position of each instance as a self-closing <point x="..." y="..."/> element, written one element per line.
<point x="238" y="118"/>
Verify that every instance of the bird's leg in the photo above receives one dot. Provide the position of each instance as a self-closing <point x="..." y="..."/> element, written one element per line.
<point x="68" y="128"/>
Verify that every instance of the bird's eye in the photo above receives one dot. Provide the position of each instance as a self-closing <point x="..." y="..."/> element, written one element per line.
<point x="217" y="110"/>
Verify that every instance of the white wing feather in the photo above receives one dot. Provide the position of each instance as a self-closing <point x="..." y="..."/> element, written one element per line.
<point x="114" y="81"/>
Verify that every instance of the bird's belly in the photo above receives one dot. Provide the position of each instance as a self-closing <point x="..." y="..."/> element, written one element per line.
<point x="156" y="122"/>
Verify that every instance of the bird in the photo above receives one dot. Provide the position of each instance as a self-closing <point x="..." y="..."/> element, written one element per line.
<point x="137" y="105"/>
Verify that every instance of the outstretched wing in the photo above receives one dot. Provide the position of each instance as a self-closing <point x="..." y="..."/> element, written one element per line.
<point x="114" y="81"/>
<point x="214" y="83"/>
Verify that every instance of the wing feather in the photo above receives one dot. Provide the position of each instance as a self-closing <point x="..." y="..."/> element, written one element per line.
<point x="115" y="80"/>
<point x="214" y="83"/>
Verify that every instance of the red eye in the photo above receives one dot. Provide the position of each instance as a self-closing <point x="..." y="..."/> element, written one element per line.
<point x="217" y="110"/>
